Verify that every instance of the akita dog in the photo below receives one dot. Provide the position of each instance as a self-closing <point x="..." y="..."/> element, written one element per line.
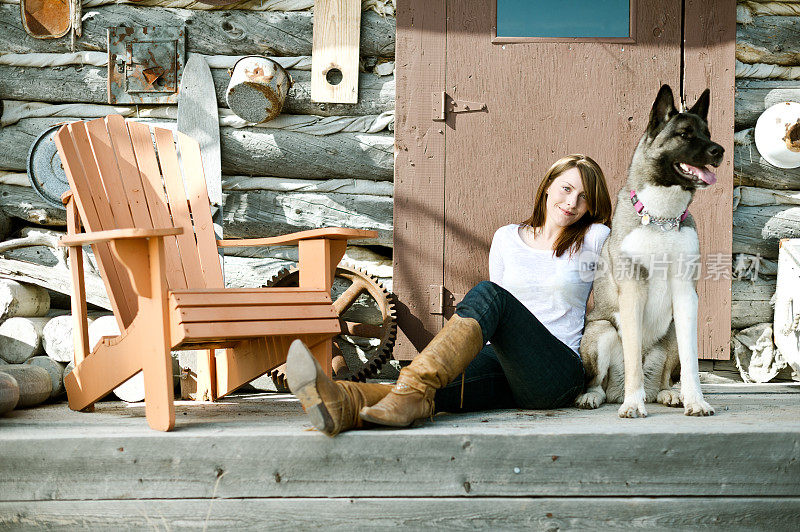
<point x="644" y="320"/>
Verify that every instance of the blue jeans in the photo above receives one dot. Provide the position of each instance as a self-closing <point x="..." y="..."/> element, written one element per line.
<point x="525" y="366"/>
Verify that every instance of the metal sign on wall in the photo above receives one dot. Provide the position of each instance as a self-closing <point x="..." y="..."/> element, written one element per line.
<point x="145" y="64"/>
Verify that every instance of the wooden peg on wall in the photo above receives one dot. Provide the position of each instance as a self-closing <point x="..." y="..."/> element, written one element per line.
<point x="335" y="52"/>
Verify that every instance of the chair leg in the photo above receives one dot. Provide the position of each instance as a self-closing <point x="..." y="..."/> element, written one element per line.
<point x="159" y="391"/>
<point x="323" y="352"/>
<point x="99" y="373"/>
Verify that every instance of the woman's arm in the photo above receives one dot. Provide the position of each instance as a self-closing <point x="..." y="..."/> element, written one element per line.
<point x="495" y="261"/>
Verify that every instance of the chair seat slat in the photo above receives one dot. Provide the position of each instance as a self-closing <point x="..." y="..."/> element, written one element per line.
<point x="255" y="313"/>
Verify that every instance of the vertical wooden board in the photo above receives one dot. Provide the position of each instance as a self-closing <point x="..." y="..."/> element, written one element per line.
<point x="543" y="101"/>
<point x="710" y="49"/>
<point x="418" y="171"/>
<point x="81" y="168"/>
<point x="110" y="179"/>
<point x="337" y="30"/>
<point x="201" y="212"/>
<point x="178" y="205"/>
<point x="155" y="195"/>
<point x="129" y="172"/>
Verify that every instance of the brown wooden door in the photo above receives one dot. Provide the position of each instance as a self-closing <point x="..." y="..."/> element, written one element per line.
<point x="458" y="180"/>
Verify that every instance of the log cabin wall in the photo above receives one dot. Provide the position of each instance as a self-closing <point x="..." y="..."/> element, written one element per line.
<point x="297" y="177"/>
<point x="766" y="199"/>
<point x="315" y="165"/>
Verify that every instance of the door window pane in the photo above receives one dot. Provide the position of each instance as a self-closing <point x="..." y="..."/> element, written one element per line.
<point x="563" y="18"/>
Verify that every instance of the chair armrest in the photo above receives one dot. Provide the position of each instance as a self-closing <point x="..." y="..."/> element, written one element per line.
<point x="331" y="233"/>
<point x="84" y="239"/>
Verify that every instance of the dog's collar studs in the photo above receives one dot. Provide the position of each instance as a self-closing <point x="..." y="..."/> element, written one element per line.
<point x="666" y="224"/>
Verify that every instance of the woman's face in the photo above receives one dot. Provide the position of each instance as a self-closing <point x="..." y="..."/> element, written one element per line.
<point x="566" y="201"/>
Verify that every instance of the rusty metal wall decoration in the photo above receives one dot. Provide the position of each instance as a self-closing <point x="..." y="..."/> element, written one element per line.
<point x="45" y="19"/>
<point x="145" y="64"/>
<point x="45" y="172"/>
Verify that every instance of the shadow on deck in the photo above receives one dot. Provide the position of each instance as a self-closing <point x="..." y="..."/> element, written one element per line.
<point x="254" y="462"/>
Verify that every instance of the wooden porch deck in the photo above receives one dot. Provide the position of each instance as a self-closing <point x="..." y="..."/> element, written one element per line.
<point x="253" y="462"/>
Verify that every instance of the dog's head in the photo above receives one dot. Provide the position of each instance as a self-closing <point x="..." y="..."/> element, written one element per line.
<point x="680" y="143"/>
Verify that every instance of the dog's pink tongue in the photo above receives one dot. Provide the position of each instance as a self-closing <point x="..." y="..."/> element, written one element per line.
<point x="704" y="174"/>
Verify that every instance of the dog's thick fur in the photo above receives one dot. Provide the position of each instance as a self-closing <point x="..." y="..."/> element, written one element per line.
<point x="644" y="321"/>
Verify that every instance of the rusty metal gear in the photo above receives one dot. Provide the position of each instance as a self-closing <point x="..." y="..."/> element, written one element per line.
<point x="353" y="285"/>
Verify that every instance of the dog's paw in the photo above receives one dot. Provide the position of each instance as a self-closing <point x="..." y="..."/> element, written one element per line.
<point x="650" y="396"/>
<point x="669" y="398"/>
<point x="632" y="408"/>
<point x="590" y="399"/>
<point x="697" y="406"/>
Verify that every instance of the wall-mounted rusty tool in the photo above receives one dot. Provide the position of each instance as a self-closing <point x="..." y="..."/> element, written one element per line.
<point x="145" y="64"/>
<point x="257" y="89"/>
<point x="46" y="19"/>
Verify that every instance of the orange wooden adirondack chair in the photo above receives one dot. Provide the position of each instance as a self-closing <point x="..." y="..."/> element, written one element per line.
<point x="146" y="214"/>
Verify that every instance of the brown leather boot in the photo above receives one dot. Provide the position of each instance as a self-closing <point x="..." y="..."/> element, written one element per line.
<point x="331" y="406"/>
<point x="448" y="354"/>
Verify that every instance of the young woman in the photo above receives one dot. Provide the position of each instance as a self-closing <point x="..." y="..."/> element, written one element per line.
<point x="531" y="312"/>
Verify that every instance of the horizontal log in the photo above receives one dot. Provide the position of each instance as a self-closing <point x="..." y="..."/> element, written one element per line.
<point x="229" y="32"/>
<point x="252" y="214"/>
<point x="54" y="369"/>
<point x="755" y="196"/>
<point x="443" y="513"/>
<point x="267" y="213"/>
<point x="757" y="230"/>
<point x="21" y="338"/>
<point x="87" y="84"/>
<point x="750" y="302"/>
<point x="769" y="39"/>
<point x="55" y="279"/>
<point x="252" y="151"/>
<point x="754" y="96"/>
<point x="22" y="299"/>
<point x="750" y="169"/>
<point x="34" y="383"/>
<point x="24" y="203"/>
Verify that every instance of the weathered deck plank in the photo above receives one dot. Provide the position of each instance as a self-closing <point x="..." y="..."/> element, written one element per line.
<point x="262" y="447"/>
<point x="446" y="513"/>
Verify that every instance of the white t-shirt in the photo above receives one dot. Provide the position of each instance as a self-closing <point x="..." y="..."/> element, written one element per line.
<point x="554" y="289"/>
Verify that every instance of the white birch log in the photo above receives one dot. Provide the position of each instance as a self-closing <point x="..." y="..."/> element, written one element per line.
<point x="769" y="39"/>
<point x="9" y="393"/>
<point x="229" y="32"/>
<point x="21" y="338"/>
<point x="750" y="169"/>
<point x="57" y="336"/>
<point x="259" y="151"/>
<point x="34" y="383"/>
<point x="757" y="230"/>
<point x="22" y="299"/>
<point x="754" y="96"/>
<point x="54" y="369"/>
<point x="87" y="84"/>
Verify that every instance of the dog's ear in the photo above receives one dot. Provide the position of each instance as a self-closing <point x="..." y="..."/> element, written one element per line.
<point x="701" y="107"/>
<point x="663" y="109"/>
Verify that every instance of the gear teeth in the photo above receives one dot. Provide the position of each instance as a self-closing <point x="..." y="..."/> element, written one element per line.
<point x="382" y="353"/>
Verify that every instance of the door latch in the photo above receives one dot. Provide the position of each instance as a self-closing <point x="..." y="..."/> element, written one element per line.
<point x="443" y="104"/>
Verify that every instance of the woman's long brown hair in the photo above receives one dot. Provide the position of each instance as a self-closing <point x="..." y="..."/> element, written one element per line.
<point x="597" y="199"/>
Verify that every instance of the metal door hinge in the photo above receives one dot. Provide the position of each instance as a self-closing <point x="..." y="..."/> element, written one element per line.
<point x="443" y="104"/>
<point x="441" y="299"/>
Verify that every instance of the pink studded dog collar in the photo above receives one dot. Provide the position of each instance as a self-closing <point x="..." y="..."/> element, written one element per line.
<point x="665" y="223"/>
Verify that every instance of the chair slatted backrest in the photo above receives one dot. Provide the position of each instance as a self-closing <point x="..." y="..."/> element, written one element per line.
<point x="128" y="175"/>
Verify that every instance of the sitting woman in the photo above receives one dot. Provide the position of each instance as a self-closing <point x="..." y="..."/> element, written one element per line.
<point x="532" y="313"/>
